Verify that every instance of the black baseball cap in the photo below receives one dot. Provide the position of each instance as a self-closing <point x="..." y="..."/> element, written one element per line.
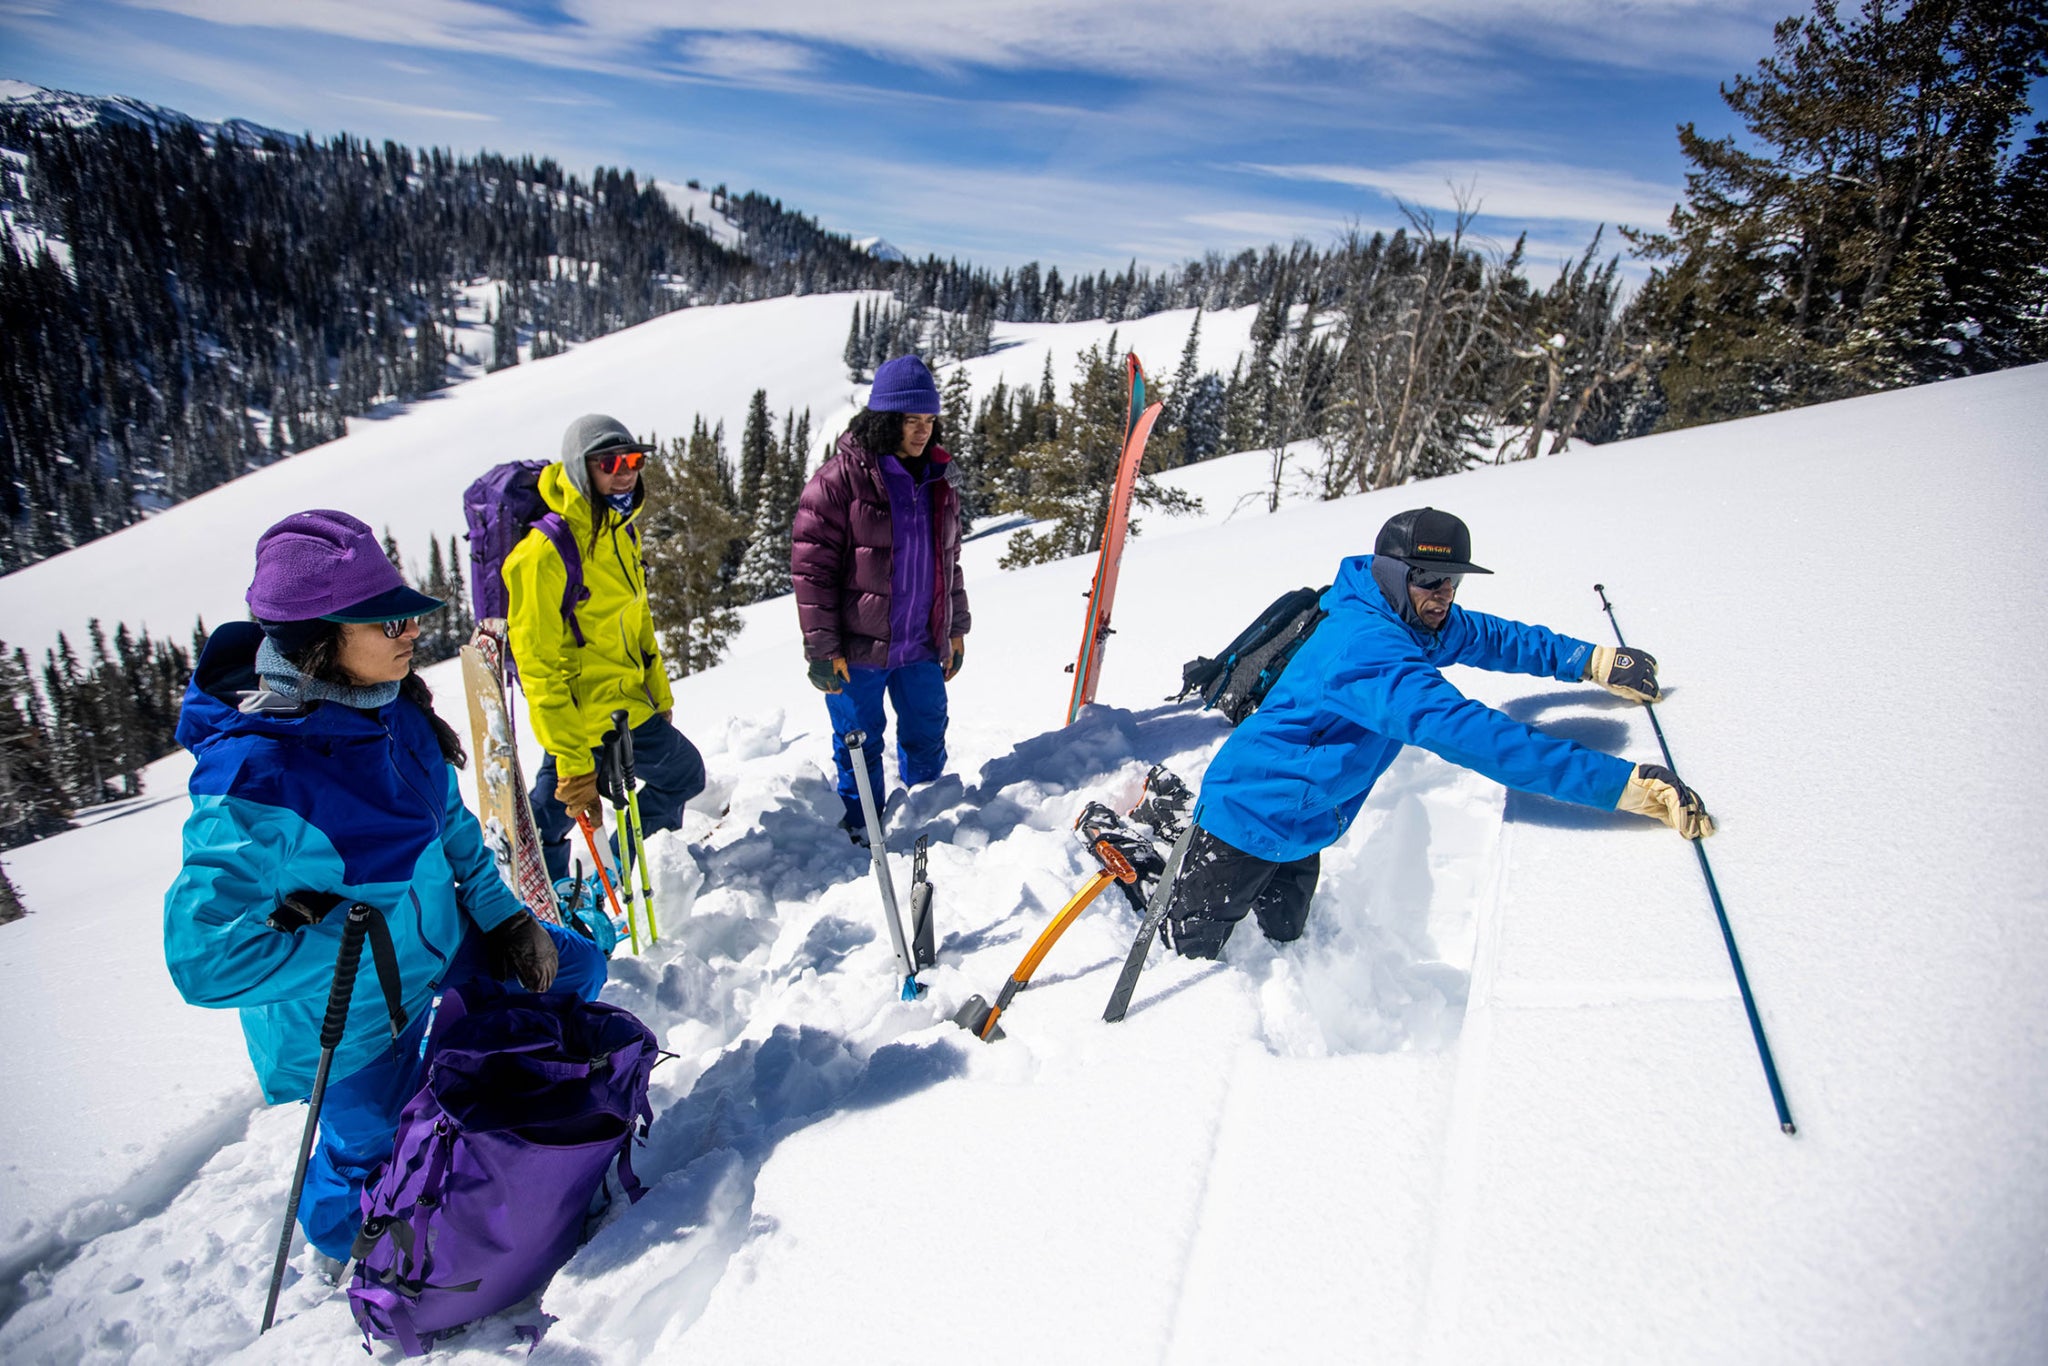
<point x="1428" y="539"/>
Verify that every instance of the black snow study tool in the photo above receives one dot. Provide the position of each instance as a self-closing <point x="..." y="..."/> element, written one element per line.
<point x="1756" y="1024"/>
<point x="923" y="948"/>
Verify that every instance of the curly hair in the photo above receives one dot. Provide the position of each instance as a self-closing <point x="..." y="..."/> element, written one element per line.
<point x="882" y="433"/>
<point x="321" y="658"/>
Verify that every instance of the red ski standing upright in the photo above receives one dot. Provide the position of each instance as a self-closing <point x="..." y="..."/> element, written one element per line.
<point x="1139" y="415"/>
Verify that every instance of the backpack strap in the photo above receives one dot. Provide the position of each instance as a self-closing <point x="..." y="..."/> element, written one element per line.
<point x="574" y="594"/>
<point x="385" y="956"/>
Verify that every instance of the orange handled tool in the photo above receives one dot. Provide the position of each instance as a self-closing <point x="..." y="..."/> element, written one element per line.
<point x="978" y="1017"/>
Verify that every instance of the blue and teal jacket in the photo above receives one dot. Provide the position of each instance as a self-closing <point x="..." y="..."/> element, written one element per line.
<point x="328" y="799"/>
<point x="1291" y="779"/>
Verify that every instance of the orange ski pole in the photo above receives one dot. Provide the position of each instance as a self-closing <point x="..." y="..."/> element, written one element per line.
<point x="611" y="892"/>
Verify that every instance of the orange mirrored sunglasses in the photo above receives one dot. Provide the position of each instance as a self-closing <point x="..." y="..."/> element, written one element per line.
<point x="611" y="462"/>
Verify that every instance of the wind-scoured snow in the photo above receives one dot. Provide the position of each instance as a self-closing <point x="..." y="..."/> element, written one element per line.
<point x="1500" y="1103"/>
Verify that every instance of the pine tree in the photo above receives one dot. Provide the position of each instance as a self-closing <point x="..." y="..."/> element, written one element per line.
<point x="1858" y="242"/>
<point x="687" y="527"/>
<point x="1201" y="419"/>
<point x="10" y="900"/>
<point x="1174" y="416"/>
<point x="756" y="439"/>
<point x="764" y="571"/>
<point x="1073" y="476"/>
<point x="956" y="418"/>
<point x="32" y="799"/>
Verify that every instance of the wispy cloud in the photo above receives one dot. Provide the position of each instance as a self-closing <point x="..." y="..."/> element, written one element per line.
<point x="739" y="56"/>
<point x="1520" y="190"/>
<point x="1139" y="38"/>
<point x="425" y="111"/>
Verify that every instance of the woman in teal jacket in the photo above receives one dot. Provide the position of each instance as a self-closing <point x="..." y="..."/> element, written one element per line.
<point x="325" y="778"/>
<point x="1290" y="780"/>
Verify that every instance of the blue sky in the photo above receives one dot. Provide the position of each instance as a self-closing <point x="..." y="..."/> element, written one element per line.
<point x="1081" y="134"/>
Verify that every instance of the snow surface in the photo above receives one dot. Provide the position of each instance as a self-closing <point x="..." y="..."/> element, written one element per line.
<point x="404" y="466"/>
<point x="1500" y="1103"/>
<point x="695" y="204"/>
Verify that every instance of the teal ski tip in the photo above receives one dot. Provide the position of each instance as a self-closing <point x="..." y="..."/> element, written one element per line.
<point x="912" y="988"/>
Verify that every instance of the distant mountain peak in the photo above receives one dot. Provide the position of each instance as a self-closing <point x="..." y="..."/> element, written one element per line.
<point x="88" y="111"/>
<point x="880" y="248"/>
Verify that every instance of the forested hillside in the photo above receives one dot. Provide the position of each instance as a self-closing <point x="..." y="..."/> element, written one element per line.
<point x="185" y="303"/>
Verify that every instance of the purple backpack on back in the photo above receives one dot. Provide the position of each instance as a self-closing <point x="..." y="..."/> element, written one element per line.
<point x="529" y="1099"/>
<point x="500" y="508"/>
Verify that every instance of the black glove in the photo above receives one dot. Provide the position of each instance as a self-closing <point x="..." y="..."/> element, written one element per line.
<point x="300" y="909"/>
<point x="1625" y="673"/>
<point x="521" y="948"/>
<point x="827" y="675"/>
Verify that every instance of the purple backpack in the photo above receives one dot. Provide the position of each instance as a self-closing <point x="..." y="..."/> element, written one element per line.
<point x="500" y="508"/>
<point x="528" y="1101"/>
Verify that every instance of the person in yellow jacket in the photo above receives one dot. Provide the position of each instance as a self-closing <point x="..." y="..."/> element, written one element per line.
<point x="578" y="668"/>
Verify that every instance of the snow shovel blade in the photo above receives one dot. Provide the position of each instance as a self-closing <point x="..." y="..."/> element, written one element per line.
<point x="973" y="1017"/>
<point x="923" y="951"/>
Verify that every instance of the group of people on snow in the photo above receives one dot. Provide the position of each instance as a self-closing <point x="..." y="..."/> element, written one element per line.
<point x="324" y="777"/>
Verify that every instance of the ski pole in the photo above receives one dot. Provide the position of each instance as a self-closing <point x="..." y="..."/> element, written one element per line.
<point x="855" y="742"/>
<point x="1756" y="1024"/>
<point x="611" y="893"/>
<point x="338" y="998"/>
<point x="622" y="842"/>
<point x="627" y="780"/>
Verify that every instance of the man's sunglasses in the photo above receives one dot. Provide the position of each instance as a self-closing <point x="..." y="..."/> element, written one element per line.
<point x="611" y="462"/>
<point x="394" y="629"/>
<point x="1430" y="583"/>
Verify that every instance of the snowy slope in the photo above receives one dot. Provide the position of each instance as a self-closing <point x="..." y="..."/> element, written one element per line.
<point x="406" y="468"/>
<point x="1499" y="1105"/>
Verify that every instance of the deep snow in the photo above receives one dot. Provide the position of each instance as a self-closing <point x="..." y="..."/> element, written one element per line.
<point x="1499" y="1105"/>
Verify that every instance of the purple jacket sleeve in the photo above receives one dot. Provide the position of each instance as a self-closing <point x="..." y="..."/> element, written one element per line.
<point x="820" y="547"/>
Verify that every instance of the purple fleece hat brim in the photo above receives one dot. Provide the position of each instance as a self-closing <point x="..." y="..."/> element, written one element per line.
<point x="326" y="564"/>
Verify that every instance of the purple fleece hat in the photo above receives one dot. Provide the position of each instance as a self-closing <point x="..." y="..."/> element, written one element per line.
<point x="326" y="564"/>
<point x="904" y="385"/>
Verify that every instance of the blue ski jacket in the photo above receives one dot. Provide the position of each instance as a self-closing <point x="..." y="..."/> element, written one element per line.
<point x="1291" y="779"/>
<point x="327" y="799"/>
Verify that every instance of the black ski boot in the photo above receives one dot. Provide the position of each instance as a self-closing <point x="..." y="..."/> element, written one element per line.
<point x="1165" y="805"/>
<point x="1098" y="824"/>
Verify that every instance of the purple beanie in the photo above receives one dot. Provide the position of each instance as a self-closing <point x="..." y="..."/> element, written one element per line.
<point x="326" y="564"/>
<point x="904" y="385"/>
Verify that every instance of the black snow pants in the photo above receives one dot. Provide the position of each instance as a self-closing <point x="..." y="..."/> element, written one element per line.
<point x="1220" y="883"/>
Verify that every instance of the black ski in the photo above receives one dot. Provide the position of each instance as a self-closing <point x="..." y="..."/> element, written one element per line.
<point x="1148" y="930"/>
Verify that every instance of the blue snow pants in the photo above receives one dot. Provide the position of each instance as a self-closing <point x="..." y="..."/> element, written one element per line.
<point x="359" y="1116"/>
<point x="917" y="694"/>
<point x="670" y="772"/>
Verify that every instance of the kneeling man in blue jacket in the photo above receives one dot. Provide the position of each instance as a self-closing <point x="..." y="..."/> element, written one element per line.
<point x="1291" y="778"/>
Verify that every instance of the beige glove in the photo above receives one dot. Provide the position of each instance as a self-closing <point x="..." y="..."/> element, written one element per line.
<point x="1655" y="791"/>
<point x="1625" y="673"/>
<point x="959" y="657"/>
<point x="578" y="796"/>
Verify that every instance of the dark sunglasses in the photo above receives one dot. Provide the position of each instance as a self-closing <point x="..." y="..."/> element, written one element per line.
<point x="394" y="629"/>
<point x="611" y="462"/>
<point x="1429" y="583"/>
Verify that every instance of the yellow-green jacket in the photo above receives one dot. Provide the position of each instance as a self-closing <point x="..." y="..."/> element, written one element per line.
<point x="571" y="690"/>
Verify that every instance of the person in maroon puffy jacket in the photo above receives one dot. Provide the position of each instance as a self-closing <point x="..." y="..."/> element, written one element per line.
<point x="875" y="560"/>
